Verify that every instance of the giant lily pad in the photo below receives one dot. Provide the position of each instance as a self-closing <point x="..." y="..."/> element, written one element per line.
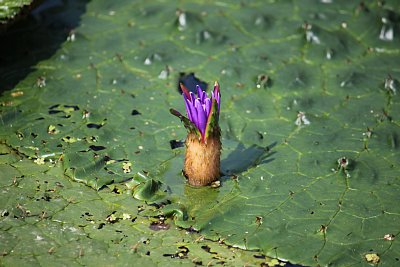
<point x="309" y="119"/>
<point x="46" y="220"/>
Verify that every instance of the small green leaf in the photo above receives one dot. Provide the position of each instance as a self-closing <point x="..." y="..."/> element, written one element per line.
<point x="150" y="191"/>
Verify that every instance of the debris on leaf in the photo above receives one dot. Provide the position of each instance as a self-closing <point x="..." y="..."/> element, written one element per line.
<point x="323" y="228"/>
<point x="301" y="119"/>
<point x="4" y="213"/>
<point x="39" y="161"/>
<point x="126" y="166"/>
<point x="343" y="162"/>
<point x="182" y="22"/>
<point x="215" y="184"/>
<point x="262" y="81"/>
<point x="390" y="85"/>
<point x="368" y="133"/>
<point x="372" y="258"/>
<point x="126" y="216"/>
<point x="111" y="161"/>
<point x="389" y="237"/>
<point x="112" y="218"/>
<point x="157" y="226"/>
<point x="387" y="31"/>
<point x="17" y="93"/>
<point x="51" y="250"/>
<point x="165" y="73"/>
<point x="311" y="37"/>
<point x="69" y="139"/>
<point x="39" y="238"/>
<point x="343" y="166"/>
<point x="52" y="130"/>
<point x="41" y="82"/>
<point x="71" y="36"/>
<point x="85" y="114"/>
<point x="329" y="53"/>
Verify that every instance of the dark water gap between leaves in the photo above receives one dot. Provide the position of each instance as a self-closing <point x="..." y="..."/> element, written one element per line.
<point x="190" y="81"/>
<point x="35" y="38"/>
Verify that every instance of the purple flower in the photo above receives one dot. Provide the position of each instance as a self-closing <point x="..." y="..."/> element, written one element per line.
<point x="203" y="142"/>
<point x="200" y="108"/>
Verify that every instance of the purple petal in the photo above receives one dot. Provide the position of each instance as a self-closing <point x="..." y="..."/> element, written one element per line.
<point x="218" y="101"/>
<point x="188" y="108"/>
<point x="193" y="97"/>
<point x="199" y="92"/>
<point x="205" y="95"/>
<point x="207" y="106"/>
<point x="216" y="88"/>
<point x="201" y="117"/>
<point x="217" y="97"/>
<point x="217" y="94"/>
<point x="193" y="112"/>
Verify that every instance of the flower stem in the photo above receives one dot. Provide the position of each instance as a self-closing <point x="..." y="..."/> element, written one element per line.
<point x="202" y="159"/>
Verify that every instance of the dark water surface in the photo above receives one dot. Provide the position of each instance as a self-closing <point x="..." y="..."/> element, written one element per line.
<point x="35" y="38"/>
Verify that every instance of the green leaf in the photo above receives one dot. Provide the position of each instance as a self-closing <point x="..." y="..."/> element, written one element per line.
<point x="149" y="191"/>
<point x="68" y="223"/>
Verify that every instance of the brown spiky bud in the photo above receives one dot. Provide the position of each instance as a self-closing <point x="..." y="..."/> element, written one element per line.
<point x="202" y="159"/>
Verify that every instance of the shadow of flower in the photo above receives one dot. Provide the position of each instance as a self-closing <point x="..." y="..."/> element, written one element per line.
<point x="241" y="159"/>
